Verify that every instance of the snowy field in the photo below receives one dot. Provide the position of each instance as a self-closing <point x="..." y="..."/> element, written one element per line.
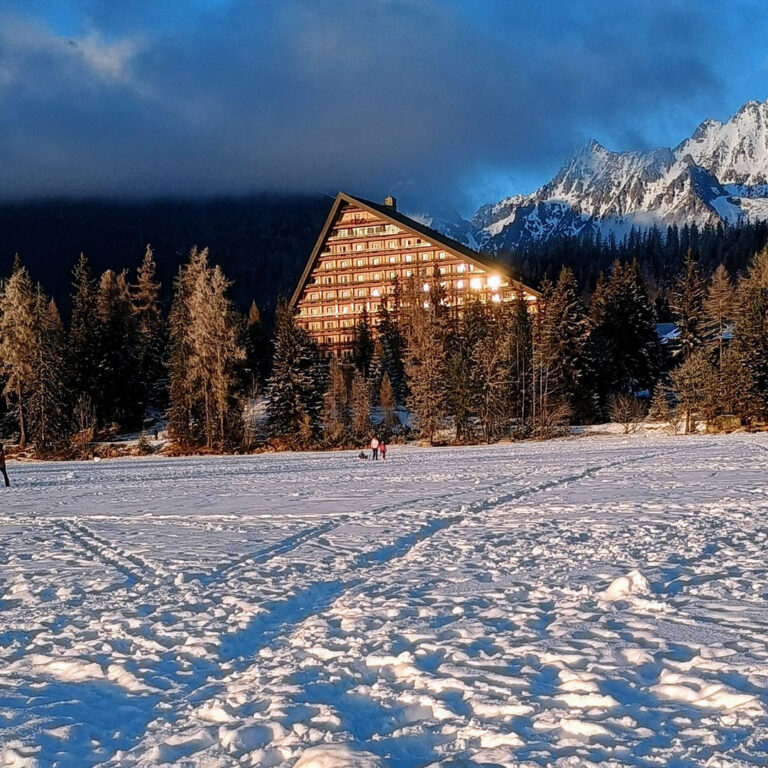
<point x="599" y="601"/>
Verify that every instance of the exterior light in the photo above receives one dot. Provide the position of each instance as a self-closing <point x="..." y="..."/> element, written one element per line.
<point x="496" y="298"/>
<point x="425" y="287"/>
<point x="494" y="281"/>
<point x="475" y="283"/>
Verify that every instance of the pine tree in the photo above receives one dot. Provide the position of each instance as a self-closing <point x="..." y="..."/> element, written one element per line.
<point x="360" y="400"/>
<point x="83" y="347"/>
<point x="687" y="306"/>
<point x="294" y="391"/>
<point x="718" y="307"/>
<point x="335" y="418"/>
<point x="151" y="335"/>
<point x="49" y="404"/>
<point x="18" y="352"/>
<point x="491" y="376"/>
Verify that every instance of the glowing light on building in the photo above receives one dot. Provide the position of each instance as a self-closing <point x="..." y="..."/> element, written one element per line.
<point x="461" y="268"/>
<point x="460" y="284"/>
<point x="475" y="283"/>
<point x="494" y="281"/>
<point x="375" y="292"/>
<point x="495" y="298"/>
<point x="425" y="287"/>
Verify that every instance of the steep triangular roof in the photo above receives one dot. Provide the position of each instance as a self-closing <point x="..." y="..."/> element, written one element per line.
<point x="409" y="225"/>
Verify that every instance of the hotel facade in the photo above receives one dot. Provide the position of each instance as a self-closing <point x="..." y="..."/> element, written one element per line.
<point x="365" y="249"/>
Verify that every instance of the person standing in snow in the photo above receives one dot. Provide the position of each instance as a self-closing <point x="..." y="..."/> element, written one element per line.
<point x="2" y="466"/>
<point x="374" y="448"/>
<point x="383" y="450"/>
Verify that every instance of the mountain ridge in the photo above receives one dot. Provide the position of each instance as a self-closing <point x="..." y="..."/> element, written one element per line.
<point x="717" y="175"/>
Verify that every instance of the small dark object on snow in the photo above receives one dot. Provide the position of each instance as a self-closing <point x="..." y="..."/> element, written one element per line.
<point x="363" y="455"/>
<point x="2" y="466"/>
<point x="155" y="433"/>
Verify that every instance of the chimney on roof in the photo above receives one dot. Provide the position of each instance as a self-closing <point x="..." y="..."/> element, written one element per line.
<point x="390" y="202"/>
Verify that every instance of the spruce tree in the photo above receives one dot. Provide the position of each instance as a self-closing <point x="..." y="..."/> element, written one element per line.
<point x="520" y="340"/>
<point x="18" y="342"/>
<point x="83" y="346"/>
<point x="751" y="328"/>
<point x="119" y="398"/>
<point x="294" y="390"/>
<point x="687" y="307"/>
<point x="151" y="335"/>
<point x="256" y="348"/>
<point x="718" y="309"/>
<point x="491" y="375"/>
<point x="392" y="344"/>
<point x="49" y="402"/>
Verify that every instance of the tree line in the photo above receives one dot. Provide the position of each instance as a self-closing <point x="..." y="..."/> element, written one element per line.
<point x="418" y="368"/>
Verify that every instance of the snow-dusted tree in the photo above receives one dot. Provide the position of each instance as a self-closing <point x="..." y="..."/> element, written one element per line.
<point x="83" y="351"/>
<point x="18" y="353"/>
<point x="296" y="386"/>
<point x="424" y="362"/>
<point x="392" y="344"/>
<point x="360" y="400"/>
<point x="335" y="418"/>
<point x="624" y="346"/>
<point x="49" y="403"/>
<point x="520" y="339"/>
<point x="686" y="302"/>
<point x="151" y="334"/>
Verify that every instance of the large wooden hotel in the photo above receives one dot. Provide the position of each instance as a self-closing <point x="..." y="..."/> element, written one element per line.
<point x="364" y="248"/>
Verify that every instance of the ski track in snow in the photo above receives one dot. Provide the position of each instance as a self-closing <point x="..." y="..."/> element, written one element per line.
<point x="600" y="601"/>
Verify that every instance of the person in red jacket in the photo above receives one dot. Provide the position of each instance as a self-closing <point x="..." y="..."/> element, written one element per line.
<point x="2" y="466"/>
<point x="383" y="449"/>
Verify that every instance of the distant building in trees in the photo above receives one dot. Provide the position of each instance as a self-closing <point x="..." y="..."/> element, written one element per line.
<point x="365" y="249"/>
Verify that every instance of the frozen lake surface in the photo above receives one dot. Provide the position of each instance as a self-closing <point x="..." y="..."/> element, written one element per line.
<point x="600" y="601"/>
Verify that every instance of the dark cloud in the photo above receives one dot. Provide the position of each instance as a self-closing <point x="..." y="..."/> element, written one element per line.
<point x="422" y="97"/>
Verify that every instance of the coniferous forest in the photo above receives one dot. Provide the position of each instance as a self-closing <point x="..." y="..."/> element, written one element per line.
<point x="132" y="353"/>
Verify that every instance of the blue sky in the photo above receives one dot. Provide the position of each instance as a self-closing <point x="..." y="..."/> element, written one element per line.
<point x="441" y="102"/>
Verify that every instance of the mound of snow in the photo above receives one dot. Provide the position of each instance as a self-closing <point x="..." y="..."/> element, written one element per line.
<point x="337" y="756"/>
<point x="634" y="583"/>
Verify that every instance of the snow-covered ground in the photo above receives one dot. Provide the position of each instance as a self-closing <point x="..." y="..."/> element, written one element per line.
<point x="592" y="601"/>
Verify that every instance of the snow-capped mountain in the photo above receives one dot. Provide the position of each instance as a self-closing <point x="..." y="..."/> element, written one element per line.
<point x="719" y="174"/>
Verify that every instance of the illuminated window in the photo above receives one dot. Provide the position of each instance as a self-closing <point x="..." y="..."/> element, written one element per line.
<point x="443" y="270"/>
<point x="392" y="244"/>
<point x="374" y="246"/>
<point x="496" y="298"/>
<point x="408" y="273"/>
<point x="461" y="268"/>
<point x="360" y="278"/>
<point x="344" y="264"/>
<point x="425" y="287"/>
<point x="392" y="275"/>
<point x="407" y="243"/>
<point x="494" y="281"/>
<point x="460" y="284"/>
<point x="475" y="283"/>
<point x="359" y="246"/>
<point x="375" y="262"/>
<point x="441" y="255"/>
<point x="342" y="249"/>
<point x="375" y="292"/>
<point x="408" y="257"/>
<point x="393" y="259"/>
<point x="359" y="262"/>
<point x="377" y="275"/>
